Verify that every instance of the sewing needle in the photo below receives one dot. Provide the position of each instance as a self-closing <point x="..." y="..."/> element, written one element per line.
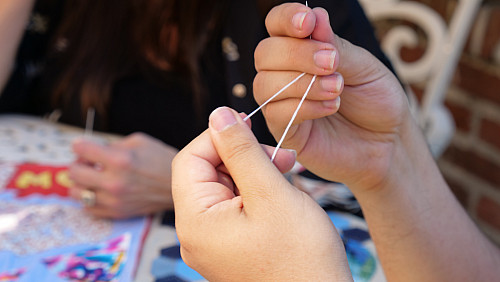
<point x="89" y="125"/>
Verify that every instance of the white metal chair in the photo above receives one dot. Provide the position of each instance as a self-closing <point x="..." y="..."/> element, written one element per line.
<point x="436" y="67"/>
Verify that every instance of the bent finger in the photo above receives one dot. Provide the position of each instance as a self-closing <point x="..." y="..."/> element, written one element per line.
<point x="86" y="175"/>
<point x="292" y="54"/>
<point x="290" y="19"/>
<point x="107" y="156"/>
<point x="356" y="64"/>
<point x="280" y="113"/>
<point x="268" y="83"/>
<point x="195" y="178"/>
<point x="255" y="176"/>
<point x="284" y="159"/>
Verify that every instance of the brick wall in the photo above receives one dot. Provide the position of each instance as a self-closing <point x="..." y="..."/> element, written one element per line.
<point x="471" y="164"/>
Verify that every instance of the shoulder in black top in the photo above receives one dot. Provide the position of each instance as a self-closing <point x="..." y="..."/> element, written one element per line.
<point x="164" y="110"/>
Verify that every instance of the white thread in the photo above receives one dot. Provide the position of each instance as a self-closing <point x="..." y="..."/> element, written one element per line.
<point x="296" y="110"/>
<point x="293" y="118"/>
<point x="307" y="5"/>
<point x="274" y="96"/>
<point x="89" y="125"/>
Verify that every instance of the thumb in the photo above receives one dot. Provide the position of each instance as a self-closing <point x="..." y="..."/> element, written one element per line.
<point x="256" y="177"/>
<point x="323" y="30"/>
<point x="356" y="65"/>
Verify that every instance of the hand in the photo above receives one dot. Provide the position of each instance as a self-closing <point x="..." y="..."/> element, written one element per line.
<point x="354" y="146"/>
<point x="238" y="218"/>
<point x="14" y="16"/>
<point x="130" y="177"/>
<point x="372" y="145"/>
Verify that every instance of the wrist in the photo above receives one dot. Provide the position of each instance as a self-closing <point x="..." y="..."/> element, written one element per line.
<point x="408" y="164"/>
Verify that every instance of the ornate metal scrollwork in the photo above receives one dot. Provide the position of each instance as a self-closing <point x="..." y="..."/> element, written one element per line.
<point x="436" y="66"/>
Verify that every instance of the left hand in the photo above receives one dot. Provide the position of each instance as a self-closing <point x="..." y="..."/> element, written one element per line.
<point x="356" y="146"/>
<point x="130" y="177"/>
<point x="239" y="219"/>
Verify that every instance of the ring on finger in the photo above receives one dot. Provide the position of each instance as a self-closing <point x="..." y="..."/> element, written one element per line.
<point x="88" y="198"/>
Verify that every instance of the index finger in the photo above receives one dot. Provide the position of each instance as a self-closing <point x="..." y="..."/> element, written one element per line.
<point x="302" y="20"/>
<point x="195" y="181"/>
<point x="105" y="155"/>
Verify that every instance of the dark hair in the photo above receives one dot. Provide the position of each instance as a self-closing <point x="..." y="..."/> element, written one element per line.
<point x="100" y="41"/>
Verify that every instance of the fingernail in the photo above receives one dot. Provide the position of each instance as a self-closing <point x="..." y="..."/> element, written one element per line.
<point x="298" y="20"/>
<point x="332" y="83"/>
<point x="325" y="59"/>
<point x="222" y="118"/>
<point x="293" y="152"/>
<point x="332" y="104"/>
<point x="340" y="83"/>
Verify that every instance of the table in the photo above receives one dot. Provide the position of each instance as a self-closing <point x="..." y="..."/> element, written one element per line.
<point x="144" y="249"/>
<point x="161" y="260"/>
<point x="44" y="234"/>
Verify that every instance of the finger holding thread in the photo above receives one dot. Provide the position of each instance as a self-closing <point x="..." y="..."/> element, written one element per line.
<point x="308" y="111"/>
<point x="292" y="54"/>
<point x="267" y="83"/>
<point x="244" y="158"/>
<point x="284" y="160"/>
<point x="357" y="65"/>
<point x="293" y="20"/>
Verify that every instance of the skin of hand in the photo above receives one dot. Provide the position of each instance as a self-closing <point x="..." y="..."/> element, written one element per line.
<point x="131" y="177"/>
<point x="239" y="219"/>
<point x="370" y="143"/>
<point x="13" y="19"/>
<point x="374" y="108"/>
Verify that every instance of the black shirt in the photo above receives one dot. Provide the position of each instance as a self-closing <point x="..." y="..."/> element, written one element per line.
<point x="165" y="110"/>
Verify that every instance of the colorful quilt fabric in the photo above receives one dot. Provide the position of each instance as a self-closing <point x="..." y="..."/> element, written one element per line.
<point x="12" y="275"/>
<point x="365" y="267"/>
<point x="44" y="234"/>
<point x="103" y="262"/>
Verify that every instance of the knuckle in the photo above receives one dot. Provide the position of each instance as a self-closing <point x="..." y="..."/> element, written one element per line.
<point x="260" y="51"/>
<point x="238" y="150"/>
<point x="272" y="116"/>
<point x="123" y="160"/>
<point x="298" y="87"/>
<point x="186" y="256"/>
<point x="188" y="244"/>
<point x="270" y="15"/>
<point x="258" y="87"/>
<point x="178" y="160"/>
<point x="115" y="187"/>
<point x="137" y="136"/>
<point x="116" y="209"/>
<point x="117" y="215"/>
<point x="291" y="52"/>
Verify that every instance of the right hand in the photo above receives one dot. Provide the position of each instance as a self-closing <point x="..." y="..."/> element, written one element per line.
<point x="130" y="177"/>
<point x="356" y="146"/>
<point x="239" y="219"/>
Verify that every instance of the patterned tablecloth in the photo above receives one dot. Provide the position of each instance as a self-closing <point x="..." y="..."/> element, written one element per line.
<point x="44" y="234"/>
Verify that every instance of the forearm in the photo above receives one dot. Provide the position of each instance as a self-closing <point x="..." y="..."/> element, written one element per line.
<point x="421" y="232"/>
<point x="13" y="19"/>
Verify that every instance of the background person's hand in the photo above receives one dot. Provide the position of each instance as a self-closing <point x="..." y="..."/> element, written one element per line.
<point x="238" y="218"/>
<point x="354" y="146"/>
<point x="130" y="177"/>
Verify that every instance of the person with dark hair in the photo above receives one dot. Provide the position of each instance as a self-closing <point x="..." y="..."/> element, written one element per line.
<point x="242" y="220"/>
<point x="152" y="70"/>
